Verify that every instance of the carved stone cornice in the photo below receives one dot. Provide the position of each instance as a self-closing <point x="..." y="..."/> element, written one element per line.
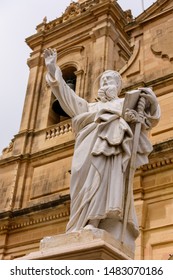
<point x="161" y="156"/>
<point x="163" y="146"/>
<point x="35" y="40"/>
<point x="77" y="14"/>
<point x="40" y="220"/>
<point x="154" y="12"/>
<point x="157" y="164"/>
<point x="32" y="156"/>
<point x="30" y="217"/>
<point x="34" y="221"/>
<point x="36" y="61"/>
<point x="76" y="9"/>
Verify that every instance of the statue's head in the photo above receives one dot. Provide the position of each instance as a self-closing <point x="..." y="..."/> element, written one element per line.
<point x="110" y="85"/>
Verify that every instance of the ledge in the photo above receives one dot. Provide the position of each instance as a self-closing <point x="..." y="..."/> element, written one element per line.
<point x="35" y="208"/>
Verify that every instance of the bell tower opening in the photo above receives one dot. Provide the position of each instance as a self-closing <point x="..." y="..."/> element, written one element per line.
<point x="69" y="76"/>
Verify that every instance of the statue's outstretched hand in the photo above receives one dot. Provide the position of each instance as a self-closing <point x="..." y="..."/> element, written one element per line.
<point x="50" y="57"/>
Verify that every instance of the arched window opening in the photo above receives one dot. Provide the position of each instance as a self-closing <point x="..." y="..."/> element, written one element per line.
<point x="70" y="78"/>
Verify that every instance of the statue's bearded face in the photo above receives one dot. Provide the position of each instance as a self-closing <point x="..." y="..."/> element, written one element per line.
<point x="107" y="79"/>
<point x="109" y="86"/>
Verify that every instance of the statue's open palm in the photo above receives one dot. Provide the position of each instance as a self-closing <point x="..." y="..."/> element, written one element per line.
<point x="50" y="57"/>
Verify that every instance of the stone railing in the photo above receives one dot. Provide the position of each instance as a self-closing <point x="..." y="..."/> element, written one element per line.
<point x="58" y="130"/>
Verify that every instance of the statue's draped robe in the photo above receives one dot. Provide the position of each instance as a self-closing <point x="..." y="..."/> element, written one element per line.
<point x="101" y="156"/>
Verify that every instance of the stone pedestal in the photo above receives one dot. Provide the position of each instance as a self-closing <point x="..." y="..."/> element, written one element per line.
<point x="87" y="244"/>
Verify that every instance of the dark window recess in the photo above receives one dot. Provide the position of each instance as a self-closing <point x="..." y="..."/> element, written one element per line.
<point x="70" y="78"/>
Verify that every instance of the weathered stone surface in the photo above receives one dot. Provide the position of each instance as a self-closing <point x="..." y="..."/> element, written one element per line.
<point x="90" y="43"/>
<point x="81" y="245"/>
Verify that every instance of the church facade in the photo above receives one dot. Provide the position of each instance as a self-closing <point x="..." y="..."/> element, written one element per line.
<point x="91" y="36"/>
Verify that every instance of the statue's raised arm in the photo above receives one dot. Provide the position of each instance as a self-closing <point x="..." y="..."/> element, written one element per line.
<point x="69" y="101"/>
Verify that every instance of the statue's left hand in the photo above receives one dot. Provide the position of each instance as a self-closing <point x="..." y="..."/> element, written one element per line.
<point x="149" y="95"/>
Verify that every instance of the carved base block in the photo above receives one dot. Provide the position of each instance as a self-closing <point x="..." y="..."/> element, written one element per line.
<point x="87" y="244"/>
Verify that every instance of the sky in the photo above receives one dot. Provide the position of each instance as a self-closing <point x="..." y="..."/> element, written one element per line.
<point x="18" y="20"/>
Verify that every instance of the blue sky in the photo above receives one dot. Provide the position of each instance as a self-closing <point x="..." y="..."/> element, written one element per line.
<point x="18" y="20"/>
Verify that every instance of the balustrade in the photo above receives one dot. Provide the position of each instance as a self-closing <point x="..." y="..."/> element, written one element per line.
<point x="58" y="130"/>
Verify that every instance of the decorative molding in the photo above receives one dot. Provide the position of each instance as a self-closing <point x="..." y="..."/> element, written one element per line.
<point x="79" y="72"/>
<point x="36" y="61"/>
<point x="40" y="220"/>
<point x="132" y="58"/>
<point x="76" y="9"/>
<point x="27" y="213"/>
<point x="9" y="148"/>
<point x="163" y="41"/>
<point x="157" y="164"/>
<point x="129" y="16"/>
<point x="72" y="11"/>
<point x="35" y="208"/>
<point x="34" y="221"/>
<point x="162" y="131"/>
<point x="70" y="50"/>
<point x="165" y="146"/>
<point x="156" y="160"/>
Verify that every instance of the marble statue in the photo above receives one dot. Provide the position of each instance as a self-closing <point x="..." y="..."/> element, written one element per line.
<point x="104" y="133"/>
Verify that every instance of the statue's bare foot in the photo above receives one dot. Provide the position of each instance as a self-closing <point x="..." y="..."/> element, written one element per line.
<point x="92" y="224"/>
<point x="89" y="227"/>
